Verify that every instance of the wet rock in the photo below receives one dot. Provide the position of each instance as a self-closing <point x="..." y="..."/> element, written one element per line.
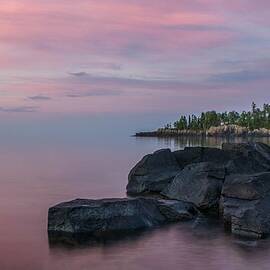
<point x="153" y="173"/>
<point x="109" y="216"/>
<point x="200" y="184"/>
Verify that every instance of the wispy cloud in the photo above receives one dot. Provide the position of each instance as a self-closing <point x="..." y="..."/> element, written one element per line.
<point x="241" y="72"/>
<point x="19" y="109"/>
<point x="79" y="74"/>
<point x="199" y="28"/>
<point x="95" y="93"/>
<point x="39" y="98"/>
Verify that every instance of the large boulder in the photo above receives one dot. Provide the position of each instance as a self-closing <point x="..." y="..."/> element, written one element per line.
<point x="200" y="184"/>
<point x="247" y="158"/>
<point x="201" y="154"/>
<point x="153" y="173"/>
<point x="110" y="216"/>
<point x="247" y="187"/>
<point x="246" y="204"/>
<point x="236" y="157"/>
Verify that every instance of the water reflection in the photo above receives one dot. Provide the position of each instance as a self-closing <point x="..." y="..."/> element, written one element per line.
<point x="182" y="142"/>
<point x="74" y="241"/>
<point x="167" y="248"/>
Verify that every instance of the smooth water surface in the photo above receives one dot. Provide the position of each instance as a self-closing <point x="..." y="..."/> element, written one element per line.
<point x="38" y="170"/>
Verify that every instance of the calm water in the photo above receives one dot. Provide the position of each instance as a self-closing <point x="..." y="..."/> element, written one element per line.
<point x="41" y="169"/>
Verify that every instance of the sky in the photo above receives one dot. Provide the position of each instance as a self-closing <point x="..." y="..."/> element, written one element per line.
<point x="128" y="57"/>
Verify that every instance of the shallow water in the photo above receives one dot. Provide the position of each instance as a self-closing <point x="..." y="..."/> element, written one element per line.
<point x="39" y="171"/>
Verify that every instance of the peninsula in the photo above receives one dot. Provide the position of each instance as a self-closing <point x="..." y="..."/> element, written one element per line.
<point x="255" y="123"/>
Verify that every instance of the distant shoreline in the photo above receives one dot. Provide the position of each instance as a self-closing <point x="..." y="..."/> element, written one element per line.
<point x="220" y="131"/>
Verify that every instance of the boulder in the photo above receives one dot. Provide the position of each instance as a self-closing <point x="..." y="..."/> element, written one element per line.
<point x="153" y="173"/>
<point x="246" y="204"/>
<point x="110" y="216"/>
<point x="236" y="157"/>
<point x="199" y="184"/>
<point x="247" y="158"/>
<point x="201" y="154"/>
<point x="247" y="187"/>
<point x="247" y="218"/>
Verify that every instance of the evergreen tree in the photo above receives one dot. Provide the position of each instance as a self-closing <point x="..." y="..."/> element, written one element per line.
<point x="254" y="119"/>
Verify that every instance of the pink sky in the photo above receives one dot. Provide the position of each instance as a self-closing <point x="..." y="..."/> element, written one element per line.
<point x="124" y="56"/>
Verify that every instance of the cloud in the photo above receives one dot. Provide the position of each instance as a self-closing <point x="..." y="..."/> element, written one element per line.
<point x="125" y="82"/>
<point x="39" y="98"/>
<point x="239" y="76"/>
<point x="79" y="74"/>
<point x="19" y="109"/>
<point x="199" y="27"/>
<point x="95" y="93"/>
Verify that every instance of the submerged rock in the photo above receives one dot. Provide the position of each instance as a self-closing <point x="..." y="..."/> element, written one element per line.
<point x="153" y="173"/>
<point x="106" y="216"/>
<point x="200" y="184"/>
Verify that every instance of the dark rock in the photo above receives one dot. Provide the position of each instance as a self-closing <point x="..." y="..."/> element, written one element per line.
<point x="109" y="216"/>
<point x="201" y="154"/>
<point x="247" y="218"/>
<point x="236" y="157"/>
<point x="247" y="187"/>
<point x="153" y="173"/>
<point x="199" y="183"/>
<point x="246" y="158"/>
<point x="177" y="210"/>
<point x="246" y="204"/>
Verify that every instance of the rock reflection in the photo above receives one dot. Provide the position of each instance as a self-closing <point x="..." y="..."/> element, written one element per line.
<point x="62" y="240"/>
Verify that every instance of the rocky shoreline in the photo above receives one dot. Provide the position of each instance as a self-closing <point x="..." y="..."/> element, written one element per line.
<point x="232" y="184"/>
<point x="220" y="131"/>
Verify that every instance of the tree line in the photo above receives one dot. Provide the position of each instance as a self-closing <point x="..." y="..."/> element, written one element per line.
<point x="253" y="119"/>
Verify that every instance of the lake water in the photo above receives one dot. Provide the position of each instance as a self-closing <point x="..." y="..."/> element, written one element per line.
<point x="39" y="169"/>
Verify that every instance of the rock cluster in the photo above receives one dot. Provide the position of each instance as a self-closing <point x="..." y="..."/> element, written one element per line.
<point x="233" y="183"/>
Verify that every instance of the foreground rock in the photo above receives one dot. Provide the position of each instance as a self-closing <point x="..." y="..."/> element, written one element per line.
<point x="108" y="216"/>
<point x="200" y="184"/>
<point x="246" y="204"/>
<point x="153" y="173"/>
